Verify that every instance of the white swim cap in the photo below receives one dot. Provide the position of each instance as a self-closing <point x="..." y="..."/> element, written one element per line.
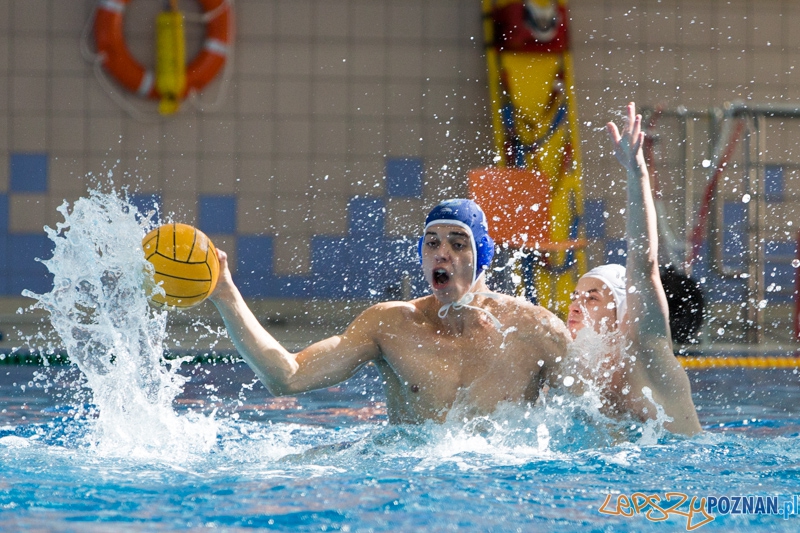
<point x="613" y="276"/>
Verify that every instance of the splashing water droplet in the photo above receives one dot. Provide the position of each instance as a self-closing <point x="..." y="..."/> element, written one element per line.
<point x="99" y="308"/>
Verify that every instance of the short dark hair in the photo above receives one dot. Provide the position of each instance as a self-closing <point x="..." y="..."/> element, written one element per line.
<point x="686" y="305"/>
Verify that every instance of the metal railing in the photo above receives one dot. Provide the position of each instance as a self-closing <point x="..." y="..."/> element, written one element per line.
<point x="709" y="157"/>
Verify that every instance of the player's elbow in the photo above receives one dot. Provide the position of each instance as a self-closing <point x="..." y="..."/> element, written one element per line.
<point x="688" y="426"/>
<point x="282" y="388"/>
<point x="282" y="380"/>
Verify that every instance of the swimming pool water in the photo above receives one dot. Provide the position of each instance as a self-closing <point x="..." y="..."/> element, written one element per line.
<point x="327" y="461"/>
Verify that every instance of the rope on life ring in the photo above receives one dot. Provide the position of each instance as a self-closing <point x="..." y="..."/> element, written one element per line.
<point x="121" y="65"/>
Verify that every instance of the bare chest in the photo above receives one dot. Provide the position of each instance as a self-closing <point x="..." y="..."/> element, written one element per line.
<point x="434" y="371"/>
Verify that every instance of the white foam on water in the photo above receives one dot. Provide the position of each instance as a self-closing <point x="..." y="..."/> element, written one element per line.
<point x="100" y="310"/>
<point x="12" y="441"/>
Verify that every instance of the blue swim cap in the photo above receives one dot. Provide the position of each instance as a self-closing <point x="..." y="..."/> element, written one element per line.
<point x="468" y="215"/>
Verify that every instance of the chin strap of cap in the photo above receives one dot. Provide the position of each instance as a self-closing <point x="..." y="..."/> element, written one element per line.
<point x="465" y="300"/>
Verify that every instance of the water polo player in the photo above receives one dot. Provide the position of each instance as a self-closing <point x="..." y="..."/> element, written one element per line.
<point x="463" y="346"/>
<point x="628" y="307"/>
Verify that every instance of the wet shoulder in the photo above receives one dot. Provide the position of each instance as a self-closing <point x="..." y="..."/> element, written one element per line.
<point x="396" y="313"/>
<point x="535" y="323"/>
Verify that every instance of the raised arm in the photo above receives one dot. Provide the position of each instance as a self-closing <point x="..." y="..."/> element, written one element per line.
<point x="647" y="321"/>
<point x="322" y="364"/>
<point x="648" y="313"/>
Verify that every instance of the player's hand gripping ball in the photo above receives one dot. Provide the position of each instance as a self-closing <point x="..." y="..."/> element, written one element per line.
<point x="185" y="264"/>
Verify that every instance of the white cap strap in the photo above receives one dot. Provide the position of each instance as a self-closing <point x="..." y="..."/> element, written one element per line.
<point x="466" y="300"/>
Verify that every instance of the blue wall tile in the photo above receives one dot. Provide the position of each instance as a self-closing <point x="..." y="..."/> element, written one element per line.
<point x="716" y="288"/>
<point x="329" y="254"/>
<point x="785" y="249"/>
<point x="727" y="290"/>
<point x="289" y="287"/>
<point x="773" y="183"/>
<point x="616" y="251"/>
<point x="363" y="267"/>
<point x="3" y="213"/>
<point x="379" y="266"/>
<point x="734" y="233"/>
<point x="217" y="214"/>
<point x="402" y="260"/>
<point x="24" y="271"/>
<point x="330" y="266"/>
<point x="365" y="254"/>
<point x="254" y="255"/>
<point x="145" y="203"/>
<point x="28" y="172"/>
<point x="267" y="286"/>
<point x="38" y="284"/>
<point x="252" y="285"/>
<point x="367" y="216"/>
<point x="254" y="273"/>
<point x="780" y="274"/>
<point x="404" y="177"/>
<point x="5" y="252"/>
<point x="594" y="219"/>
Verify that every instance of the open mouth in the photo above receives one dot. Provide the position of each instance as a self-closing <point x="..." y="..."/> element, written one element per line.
<point x="440" y="277"/>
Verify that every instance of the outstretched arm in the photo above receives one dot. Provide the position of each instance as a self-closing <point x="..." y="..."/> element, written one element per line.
<point x="648" y="313"/>
<point x="647" y="320"/>
<point x="322" y="364"/>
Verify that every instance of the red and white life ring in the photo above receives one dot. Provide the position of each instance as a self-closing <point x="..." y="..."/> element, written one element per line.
<point x="117" y="59"/>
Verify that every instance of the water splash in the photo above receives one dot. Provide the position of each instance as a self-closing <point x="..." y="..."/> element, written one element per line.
<point x="591" y="359"/>
<point x="596" y="358"/>
<point x="99" y="308"/>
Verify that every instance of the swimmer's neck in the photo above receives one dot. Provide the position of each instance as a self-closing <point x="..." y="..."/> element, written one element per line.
<point x="457" y="319"/>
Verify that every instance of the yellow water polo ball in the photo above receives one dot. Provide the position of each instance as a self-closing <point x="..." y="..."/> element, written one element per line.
<point x="185" y="264"/>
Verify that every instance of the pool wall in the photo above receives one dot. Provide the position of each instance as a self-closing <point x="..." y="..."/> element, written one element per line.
<point x="341" y="122"/>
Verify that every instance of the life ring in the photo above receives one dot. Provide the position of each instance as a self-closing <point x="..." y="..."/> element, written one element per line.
<point x="109" y="39"/>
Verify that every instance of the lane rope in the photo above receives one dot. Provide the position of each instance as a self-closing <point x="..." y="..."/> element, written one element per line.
<point x="701" y="362"/>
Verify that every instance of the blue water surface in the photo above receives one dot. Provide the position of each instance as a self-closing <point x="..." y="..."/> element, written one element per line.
<point x="328" y="461"/>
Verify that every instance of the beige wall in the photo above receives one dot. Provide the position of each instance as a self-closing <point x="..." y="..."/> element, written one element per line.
<point x="697" y="54"/>
<point x="320" y="92"/>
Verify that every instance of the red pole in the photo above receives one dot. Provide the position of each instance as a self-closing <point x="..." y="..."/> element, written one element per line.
<point x="699" y="228"/>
